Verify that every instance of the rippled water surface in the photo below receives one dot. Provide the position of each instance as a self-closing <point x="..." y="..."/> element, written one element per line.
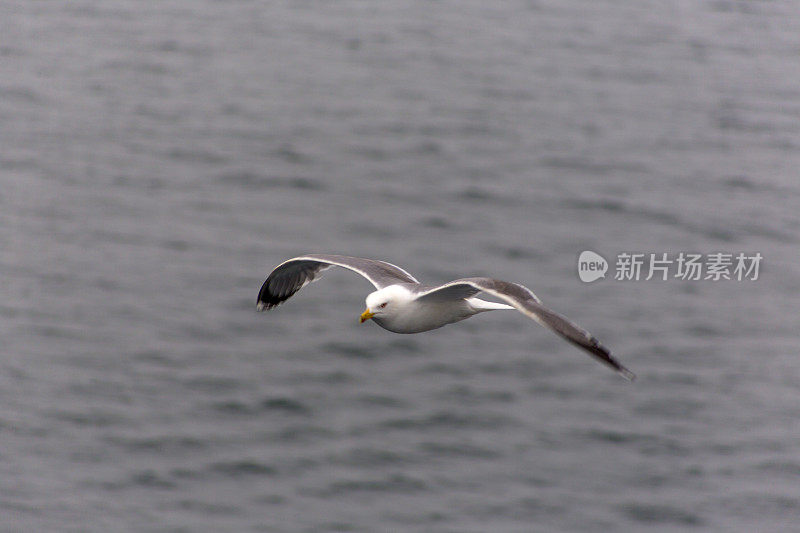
<point x="158" y="159"/>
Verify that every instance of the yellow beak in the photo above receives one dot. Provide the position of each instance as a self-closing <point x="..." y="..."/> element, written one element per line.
<point x="366" y="315"/>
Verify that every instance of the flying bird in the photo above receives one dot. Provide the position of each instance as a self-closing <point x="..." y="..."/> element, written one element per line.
<point x="403" y="305"/>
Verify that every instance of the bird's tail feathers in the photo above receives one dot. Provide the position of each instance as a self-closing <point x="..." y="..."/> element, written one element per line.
<point x="482" y="305"/>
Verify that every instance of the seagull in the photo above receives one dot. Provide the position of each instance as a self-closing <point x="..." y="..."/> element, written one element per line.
<point x="402" y="304"/>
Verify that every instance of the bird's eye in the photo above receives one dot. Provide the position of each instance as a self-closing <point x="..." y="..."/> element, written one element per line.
<point x="383" y="305"/>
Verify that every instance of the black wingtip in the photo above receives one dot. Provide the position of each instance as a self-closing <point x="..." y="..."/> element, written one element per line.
<point x="604" y="356"/>
<point x="266" y="300"/>
<point x="608" y="359"/>
<point x="627" y="374"/>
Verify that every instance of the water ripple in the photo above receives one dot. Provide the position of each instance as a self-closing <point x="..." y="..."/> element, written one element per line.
<point x="392" y="484"/>
<point x="239" y="468"/>
<point x="661" y="514"/>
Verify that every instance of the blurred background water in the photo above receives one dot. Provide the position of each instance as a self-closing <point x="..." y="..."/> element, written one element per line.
<point x="158" y="159"/>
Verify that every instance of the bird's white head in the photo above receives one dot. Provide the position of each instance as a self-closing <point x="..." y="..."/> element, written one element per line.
<point x="385" y="302"/>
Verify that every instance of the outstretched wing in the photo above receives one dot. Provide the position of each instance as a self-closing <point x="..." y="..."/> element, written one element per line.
<point x="294" y="274"/>
<point x="527" y="303"/>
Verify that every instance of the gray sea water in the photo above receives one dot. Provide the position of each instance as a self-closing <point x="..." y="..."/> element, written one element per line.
<point x="157" y="159"/>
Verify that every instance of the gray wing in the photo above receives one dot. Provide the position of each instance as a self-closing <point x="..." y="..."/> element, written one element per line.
<point x="527" y="303"/>
<point x="294" y="274"/>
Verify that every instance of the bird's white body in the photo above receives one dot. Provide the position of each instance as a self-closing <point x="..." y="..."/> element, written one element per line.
<point x="395" y="308"/>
